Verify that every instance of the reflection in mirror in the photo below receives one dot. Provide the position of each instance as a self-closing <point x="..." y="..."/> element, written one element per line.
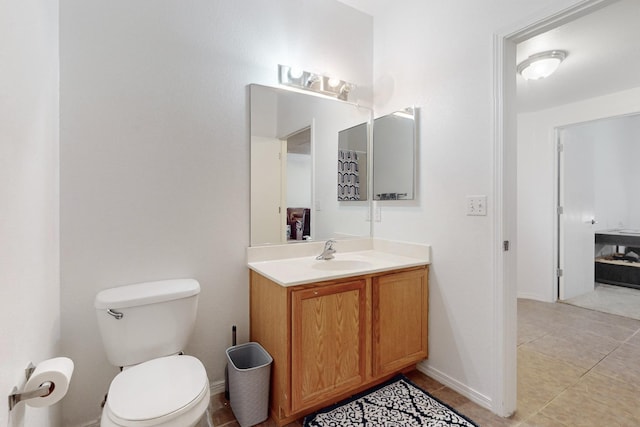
<point x="294" y="149"/>
<point x="394" y="146"/>
<point x="298" y="185"/>
<point x="352" y="163"/>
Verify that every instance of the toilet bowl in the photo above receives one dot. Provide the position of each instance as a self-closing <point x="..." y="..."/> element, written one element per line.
<point x="144" y="329"/>
<point x="171" y="391"/>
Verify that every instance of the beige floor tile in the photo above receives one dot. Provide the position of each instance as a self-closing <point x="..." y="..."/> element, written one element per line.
<point x="613" y="319"/>
<point x="526" y="409"/>
<point x="570" y="350"/>
<point x="223" y="417"/>
<point x="622" y="364"/>
<point x="606" y="325"/>
<point x="538" y="370"/>
<point x="634" y="339"/>
<point x="540" y="379"/>
<point x="611" y="328"/>
<point x="451" y="397"/>
<point x="623" y="396"/>
<point x="530" y="330"/>
<point x="483" y="417"/>
<point x="575" y="409"/>
<point x="424" y="382"/>
<point x="541" y="420"/>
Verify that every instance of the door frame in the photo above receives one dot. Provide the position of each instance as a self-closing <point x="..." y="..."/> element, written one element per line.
<point x="505" y="190"/>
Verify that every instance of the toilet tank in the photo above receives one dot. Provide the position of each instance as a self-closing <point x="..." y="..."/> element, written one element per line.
<point x="147" y="320"/>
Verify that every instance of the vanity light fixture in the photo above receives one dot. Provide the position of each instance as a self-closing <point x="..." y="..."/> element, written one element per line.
<point x="541" y="65"/>
<point x="306" y="80"/>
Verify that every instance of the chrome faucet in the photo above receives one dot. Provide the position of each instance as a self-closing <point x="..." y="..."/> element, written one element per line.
<point x="328" y="251"/>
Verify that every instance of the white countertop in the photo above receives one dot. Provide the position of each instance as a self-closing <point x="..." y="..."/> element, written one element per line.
<point x="363" y="257"/>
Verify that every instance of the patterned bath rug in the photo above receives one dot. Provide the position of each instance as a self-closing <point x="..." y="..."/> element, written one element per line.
<point x="396" y="403"/>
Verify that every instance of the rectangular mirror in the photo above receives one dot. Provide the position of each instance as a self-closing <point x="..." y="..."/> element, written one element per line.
<point x="294" y="156"/>
<point x="394" y="148"/>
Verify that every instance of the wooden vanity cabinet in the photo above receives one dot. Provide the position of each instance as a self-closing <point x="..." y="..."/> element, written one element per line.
<point x="332" y="339"/>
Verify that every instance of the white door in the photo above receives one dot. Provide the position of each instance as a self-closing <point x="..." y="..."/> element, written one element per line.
<point x="576" y="223"/>
<point x="267" y="196"/>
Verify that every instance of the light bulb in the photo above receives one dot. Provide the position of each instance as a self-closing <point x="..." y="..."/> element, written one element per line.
<point x="295" y="73"/>
<point x="333" y="82"/>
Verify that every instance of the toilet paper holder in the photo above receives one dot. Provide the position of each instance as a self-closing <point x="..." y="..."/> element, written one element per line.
<point x="45" y="389"/>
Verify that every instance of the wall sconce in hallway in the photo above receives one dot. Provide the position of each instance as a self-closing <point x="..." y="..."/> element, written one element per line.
<point x="306" y="80"/>
<point x="541" y="65"/>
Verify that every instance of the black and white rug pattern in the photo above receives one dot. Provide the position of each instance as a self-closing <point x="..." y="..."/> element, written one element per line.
<point x="397" y="403"/>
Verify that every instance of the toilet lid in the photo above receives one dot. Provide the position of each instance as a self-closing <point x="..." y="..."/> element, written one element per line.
<point x="157" y="388"/>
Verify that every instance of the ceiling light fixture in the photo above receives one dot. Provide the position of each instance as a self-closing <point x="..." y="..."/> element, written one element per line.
<point x="306" y="80"/>
<point x="541" y="64"/>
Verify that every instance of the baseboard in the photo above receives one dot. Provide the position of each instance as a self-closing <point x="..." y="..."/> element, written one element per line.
<point x="535" y="297"/>
<point x="94" y="423"/>
<point x="456" y="385"/>
<point x="216" y="387"/>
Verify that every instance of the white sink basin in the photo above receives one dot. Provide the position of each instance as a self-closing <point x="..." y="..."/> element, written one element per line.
<point x="341" y="265"/>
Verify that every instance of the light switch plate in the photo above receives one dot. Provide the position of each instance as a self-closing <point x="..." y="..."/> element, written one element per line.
<point x="477" y="205"/>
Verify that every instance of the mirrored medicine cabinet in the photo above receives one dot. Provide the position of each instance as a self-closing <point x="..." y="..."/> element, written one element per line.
<point x="394" y="149"/>
<point x="312" y="166"/>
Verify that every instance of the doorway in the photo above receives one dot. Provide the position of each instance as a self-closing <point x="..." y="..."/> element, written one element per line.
<point x="599" y="215"/>
<point x="529" y="207"/>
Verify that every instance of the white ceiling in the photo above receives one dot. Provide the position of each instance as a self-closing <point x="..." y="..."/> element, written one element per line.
<point x="603" y="57"/>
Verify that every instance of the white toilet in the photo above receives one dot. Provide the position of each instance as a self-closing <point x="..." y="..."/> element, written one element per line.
<point x="144" y="328"/>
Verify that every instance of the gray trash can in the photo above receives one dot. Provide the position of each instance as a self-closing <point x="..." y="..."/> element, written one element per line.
<point x="249" y="375"/>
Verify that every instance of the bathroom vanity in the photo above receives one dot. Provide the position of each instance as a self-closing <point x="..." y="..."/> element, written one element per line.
<point x="337" y="327"/>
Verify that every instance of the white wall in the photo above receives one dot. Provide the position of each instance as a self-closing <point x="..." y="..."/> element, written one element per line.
<point x="29" y="238"/>
<point x="439" y="57"/>
<point x="537" y="182"/>
<point x="155" y="152"/>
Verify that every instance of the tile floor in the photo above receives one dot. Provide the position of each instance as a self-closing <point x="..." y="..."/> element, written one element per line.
<point x="576" y="367"/>
<point x="611" y="299"/>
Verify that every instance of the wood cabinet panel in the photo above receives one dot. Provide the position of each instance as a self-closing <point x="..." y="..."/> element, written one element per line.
<point x="400" y="304"/>
<point x="270" y="318"/>
<point x="327" y="336"/>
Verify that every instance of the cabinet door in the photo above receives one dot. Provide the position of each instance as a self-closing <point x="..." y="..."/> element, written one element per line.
<point x="400" y="303"/>
<point x="327" y="341"/>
